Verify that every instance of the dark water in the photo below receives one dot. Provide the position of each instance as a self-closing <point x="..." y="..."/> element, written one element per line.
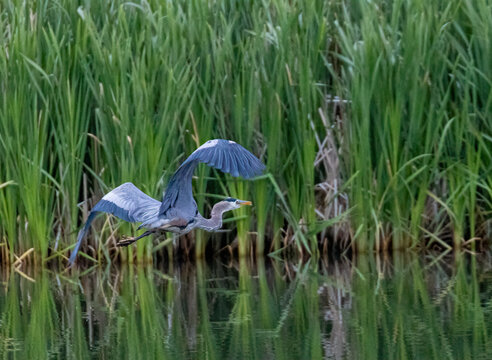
<point x="370" y="308"/>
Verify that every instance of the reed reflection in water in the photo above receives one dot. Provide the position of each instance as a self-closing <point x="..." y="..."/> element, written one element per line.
<point x="371" y="308"/>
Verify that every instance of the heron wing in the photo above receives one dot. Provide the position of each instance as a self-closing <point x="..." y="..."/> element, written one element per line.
<point x="126" y="202"/>
<point x="225" y="155"/>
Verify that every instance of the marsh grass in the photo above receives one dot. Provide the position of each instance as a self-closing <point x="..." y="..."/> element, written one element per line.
<point x="420" y="120"/>
<point x="102" y="93"/>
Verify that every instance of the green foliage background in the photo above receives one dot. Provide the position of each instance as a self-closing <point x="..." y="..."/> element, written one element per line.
<point x="381" y="109"/>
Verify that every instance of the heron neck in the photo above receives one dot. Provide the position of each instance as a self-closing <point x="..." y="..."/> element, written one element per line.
<point x="215" y="221"/>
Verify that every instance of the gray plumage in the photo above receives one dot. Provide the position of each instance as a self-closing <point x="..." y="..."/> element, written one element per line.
<point x="178" y="211"/>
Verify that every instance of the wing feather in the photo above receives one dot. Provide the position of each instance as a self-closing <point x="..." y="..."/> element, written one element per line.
<point x="220" y="159"/>
<point x="234" y="165"/>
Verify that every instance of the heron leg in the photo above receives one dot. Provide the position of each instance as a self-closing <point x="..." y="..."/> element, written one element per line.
<point x="130" y="241"/>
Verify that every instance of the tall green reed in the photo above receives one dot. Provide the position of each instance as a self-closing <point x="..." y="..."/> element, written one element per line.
<point x="414" y="130"/>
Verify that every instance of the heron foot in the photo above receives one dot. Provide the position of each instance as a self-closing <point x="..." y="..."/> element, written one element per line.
<point x="129" y="241"/>
<point x="126" y="242"/>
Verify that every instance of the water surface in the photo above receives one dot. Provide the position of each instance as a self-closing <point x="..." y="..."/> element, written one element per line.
<point x="367" y="308"/>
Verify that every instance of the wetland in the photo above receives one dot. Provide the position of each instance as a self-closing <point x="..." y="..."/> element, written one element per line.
<point x="399" y="307"/>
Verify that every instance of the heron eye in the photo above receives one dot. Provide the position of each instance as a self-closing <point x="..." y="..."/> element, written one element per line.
<point x="237" y="202"/>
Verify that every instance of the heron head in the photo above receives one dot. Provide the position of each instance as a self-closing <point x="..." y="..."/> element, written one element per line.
<point x="229" y="204"/>
<point x="236" y="203"/>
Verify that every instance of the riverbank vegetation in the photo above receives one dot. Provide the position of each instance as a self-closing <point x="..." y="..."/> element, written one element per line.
<point x="373" y="118"/>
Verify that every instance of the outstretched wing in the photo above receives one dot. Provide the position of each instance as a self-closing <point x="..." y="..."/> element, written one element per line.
<point x="127" y="202"/>
<point x="224" y="155"/>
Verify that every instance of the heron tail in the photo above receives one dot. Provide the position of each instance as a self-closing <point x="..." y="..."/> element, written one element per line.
<point x="80" y="237"/>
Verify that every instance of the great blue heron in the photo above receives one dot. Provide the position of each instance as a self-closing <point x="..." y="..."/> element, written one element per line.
<point x="177" y="212"/>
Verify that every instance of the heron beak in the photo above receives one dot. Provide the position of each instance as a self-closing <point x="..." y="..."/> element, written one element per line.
<point x="242" y="203"/>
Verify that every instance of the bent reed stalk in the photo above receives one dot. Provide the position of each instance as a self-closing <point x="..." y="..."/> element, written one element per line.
<point x="374" y="120"/>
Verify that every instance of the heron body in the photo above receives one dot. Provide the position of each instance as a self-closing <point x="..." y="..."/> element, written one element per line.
<point x="178" y="212"/>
